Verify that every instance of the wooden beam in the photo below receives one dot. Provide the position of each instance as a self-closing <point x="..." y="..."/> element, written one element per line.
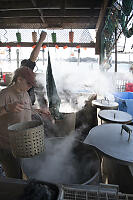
<point x="115" y="49"/>
<point x="102" y="13"/>
<point x="83" y="4"/>
<point x="30" y="44"/>
<point x="39" y="10"/>
<point x="51" y="25"/>
<point x="27" y="5"/>
<point x="50" y="13"/>
<point x="35" y="22"/>
<point x="49" y="4"/>
<point x="35" y="19"/>
<point x="98" y="43"/>
<point x="99" y="26"/>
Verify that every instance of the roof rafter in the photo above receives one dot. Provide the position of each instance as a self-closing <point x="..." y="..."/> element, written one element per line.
<point x="39" y="10"/>
<point x="99" y="25"/>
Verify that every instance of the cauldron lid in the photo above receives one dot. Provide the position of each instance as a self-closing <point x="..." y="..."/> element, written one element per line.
<point x="104" y="104"/>
<point x="109" y="140"/>
<point x="115" y="116"/>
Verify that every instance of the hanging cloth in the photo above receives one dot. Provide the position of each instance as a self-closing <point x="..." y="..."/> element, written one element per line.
<point x="18" y="35"/>
<point x="53" y="37"/>
<point x="9" y="54"/>
<point x="53" y="97"/>
<point x="71" y="36"/>
<point x="34" y="37"/>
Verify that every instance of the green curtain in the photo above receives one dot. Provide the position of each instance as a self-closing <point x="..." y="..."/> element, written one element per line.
<point x="53" y="97"/>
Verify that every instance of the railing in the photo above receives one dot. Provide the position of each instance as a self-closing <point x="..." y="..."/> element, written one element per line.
<point x="121" y="85"/>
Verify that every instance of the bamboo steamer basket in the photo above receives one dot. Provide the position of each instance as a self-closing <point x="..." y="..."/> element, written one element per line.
<point x="27" y="139"/>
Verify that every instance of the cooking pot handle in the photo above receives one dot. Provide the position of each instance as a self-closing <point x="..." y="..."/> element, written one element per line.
<point x="105" y="99"/>
<point x="127" y="129"/>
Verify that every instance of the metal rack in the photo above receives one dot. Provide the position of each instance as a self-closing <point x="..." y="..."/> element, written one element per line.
<point x="101" y="192"/>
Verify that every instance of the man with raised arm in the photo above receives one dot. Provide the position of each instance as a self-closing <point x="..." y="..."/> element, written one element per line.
<point x="31" y="61"/>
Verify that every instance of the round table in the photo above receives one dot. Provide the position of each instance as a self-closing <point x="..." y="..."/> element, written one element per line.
<point x="115" y="116"/>
<point x="105" y="104"/>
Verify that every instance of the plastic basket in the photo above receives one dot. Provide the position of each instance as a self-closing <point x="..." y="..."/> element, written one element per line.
<point x="27" y="138"/>
<point x="125" y="101"/>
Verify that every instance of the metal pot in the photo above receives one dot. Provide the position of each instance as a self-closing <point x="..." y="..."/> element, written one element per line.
<point x="114" y="140"/>
<point x="115" y="116"/>
<point x="66" y="125"/>
<point x="64" y="161"/>
<point x="105" y="104"/>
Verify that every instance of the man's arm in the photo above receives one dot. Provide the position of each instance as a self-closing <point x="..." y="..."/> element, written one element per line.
<point x="36" y="50"/>
<point x="2" y="110"/>
<point x="31" y="62"/>
<point x="12" y="107"/>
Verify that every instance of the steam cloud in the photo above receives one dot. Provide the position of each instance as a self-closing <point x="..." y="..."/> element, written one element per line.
<point x="75" y="84"/>
<point x="60" y="164"/>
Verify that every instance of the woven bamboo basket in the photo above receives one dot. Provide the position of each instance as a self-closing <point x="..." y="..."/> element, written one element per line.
<point x="27" y="139"/>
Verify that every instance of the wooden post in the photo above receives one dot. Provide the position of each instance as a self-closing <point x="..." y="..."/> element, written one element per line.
<point x="115" y="49"/>
<point x="17" y="52"/>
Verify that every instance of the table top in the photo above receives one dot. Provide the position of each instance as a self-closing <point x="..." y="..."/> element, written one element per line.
<point x="104" y="104"/>
<point x="115" y="116"/>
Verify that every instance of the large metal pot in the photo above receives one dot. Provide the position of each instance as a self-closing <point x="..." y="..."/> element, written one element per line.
<point x="115" y="141"/>
<point x="115" y="116"/>
<point x="105" y="104"/>
<point x="66" y="125"/>
<point x="64" y="161"/>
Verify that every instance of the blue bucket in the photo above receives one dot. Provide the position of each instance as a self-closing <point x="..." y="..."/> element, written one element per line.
<point x="125" y="101"/>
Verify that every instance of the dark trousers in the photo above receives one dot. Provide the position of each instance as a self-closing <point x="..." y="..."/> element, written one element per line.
<point x="10" y="164"/>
